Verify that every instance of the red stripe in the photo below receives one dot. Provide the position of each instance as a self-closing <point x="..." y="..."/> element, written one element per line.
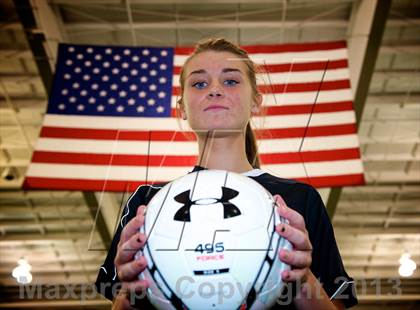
<point x="283" y="48"/>
<point x="333" y="181"/>
<point x="295" y="67"/>
<point x="179" y="136"/>
<point x="308" y="108"/>
<point x="293" y="87"/>
<point x="183" y="161"/>
<point x="121" y="186"/>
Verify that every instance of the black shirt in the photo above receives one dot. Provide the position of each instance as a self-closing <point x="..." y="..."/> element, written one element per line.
<point x="326" y="265"/>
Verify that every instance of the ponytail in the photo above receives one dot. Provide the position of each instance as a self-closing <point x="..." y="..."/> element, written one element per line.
<point x="251" y="147"/>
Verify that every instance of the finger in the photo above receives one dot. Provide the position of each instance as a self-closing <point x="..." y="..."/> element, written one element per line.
<point x="133" y="225"/>
<point x="128" y="249"/>
<point x="298" y="238"/>
<point x="131" y="270"/>
<point x="295" y="218"/>
<point x="136" y="286"/>
<point x="294" y="275"/>
<point x="300" y="259"/>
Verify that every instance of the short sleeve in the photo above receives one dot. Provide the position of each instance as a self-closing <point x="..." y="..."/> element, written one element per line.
<point x="107" y="282"/>
<point x="327" y="265"/>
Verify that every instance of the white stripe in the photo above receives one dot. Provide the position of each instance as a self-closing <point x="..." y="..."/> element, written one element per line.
<point x="126" y="173"/>
<point x="299" y="98"/>
<point x="170" y="123"/>
<point x="190" y="148"/>
<point x="289" y="57"/>
<point x="294" y="77"/>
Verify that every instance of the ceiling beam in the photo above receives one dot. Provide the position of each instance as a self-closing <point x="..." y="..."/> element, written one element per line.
<point x="367" y="24"/>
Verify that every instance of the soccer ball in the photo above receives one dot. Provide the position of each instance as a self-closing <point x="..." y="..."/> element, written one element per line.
<point x="212" y="244"/>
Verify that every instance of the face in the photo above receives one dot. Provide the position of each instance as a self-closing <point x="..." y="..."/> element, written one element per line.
<point x="218" y="93"/>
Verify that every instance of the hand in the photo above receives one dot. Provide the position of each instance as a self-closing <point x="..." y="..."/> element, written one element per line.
<point x="128" y="268"/>
<point x="300" y="258"/>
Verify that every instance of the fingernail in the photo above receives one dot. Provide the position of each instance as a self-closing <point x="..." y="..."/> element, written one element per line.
<point x="283" y="254"/>
<point x="283" y="229"/>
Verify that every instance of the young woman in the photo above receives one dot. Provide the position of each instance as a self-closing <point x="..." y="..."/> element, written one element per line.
<point x="219" y="96"/>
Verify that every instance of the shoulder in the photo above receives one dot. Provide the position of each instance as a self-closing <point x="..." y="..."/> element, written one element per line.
<point x="302" y="197"/>
<point x="142" y="195"/>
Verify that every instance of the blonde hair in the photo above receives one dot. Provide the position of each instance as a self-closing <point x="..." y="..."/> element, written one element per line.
<point x="223" y="45"/>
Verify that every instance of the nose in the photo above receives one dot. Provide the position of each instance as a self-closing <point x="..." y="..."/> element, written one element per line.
<point x="215" y="91"/>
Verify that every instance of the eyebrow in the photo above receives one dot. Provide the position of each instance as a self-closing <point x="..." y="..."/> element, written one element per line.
<point x="200" y="71"/>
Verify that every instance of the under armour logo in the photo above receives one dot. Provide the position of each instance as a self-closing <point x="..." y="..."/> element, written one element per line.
<point x="229" y="209"/>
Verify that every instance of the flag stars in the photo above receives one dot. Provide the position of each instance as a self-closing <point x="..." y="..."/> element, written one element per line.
<point x="71" y="49"/>
<point x="145" y="52"/>
<point x="164" y="53"/>
<point x="77" y="70"/>
<point x="72" y="99"/>
<point x="144" y="65"/>
<point x="124" y="78"/>
<point x="162" y="80"/>
<point x="140" y="109"/>
<point x="152" y="87"/>
<point x="151" y="101"/>
<point x="143" y="79"/>
<point x="98" y="57"/>
<point x="122" y="93"/>
<point x="142" y="94"/>
<point x="127" y="52"/>
<point x="125" y="65"/>
<point x="153" y="72"/>
<point x="67" y="76"/>
<point x="76" y="85"/>
<point x="153" y="59"/>
<point x="86" y="77"/>
<point x="160" y="109"/>
<point x="106" y="64"/>
<point x="111" y="100"/>
<point x="134" y="72"/>
<point x="102" y="93"/>
<point x="69" y="62"/>
<point x="80" y="107"/>
<point x="120" y="108"/>
<point x="108" y="51"/>
<point x="96" y="70"/>
<point x="61" y="106"/>
<point x="91" y="100"/>
<point x="135" y="58"/>
<point x="100" y="108"/>
<point x="163" y="67"/>
<point x="89" y="50"/>
<point x="133" y="87"/>
<point x="83" y="92"/>
<point x="94" y="86"/>
<point x="79" y="56"/>
<point x="105" y="78"/>
<point x="115" y="71"/>
<point x="161" y="94"/>
<point x="64" y="92"/>
<point x="117" y="57"/>
<point x="114" y="86"/>
<point x="88" y="63"/>
<point x="131" y="101"/>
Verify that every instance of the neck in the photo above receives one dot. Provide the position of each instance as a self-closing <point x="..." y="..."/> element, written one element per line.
<point x="223" y="152"/>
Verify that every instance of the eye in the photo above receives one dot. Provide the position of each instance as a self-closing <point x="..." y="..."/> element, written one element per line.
<point x="230" y="82"/>
<point x="200" y="84"/>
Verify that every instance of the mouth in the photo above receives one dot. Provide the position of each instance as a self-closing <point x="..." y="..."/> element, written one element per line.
<point x="216" y="107"/>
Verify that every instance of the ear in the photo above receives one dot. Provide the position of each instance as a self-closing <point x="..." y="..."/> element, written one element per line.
<point x="256" y="104"/>
<point x="182" y="109"/>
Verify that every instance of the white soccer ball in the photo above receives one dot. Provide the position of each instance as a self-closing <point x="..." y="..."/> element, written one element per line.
<point x="212" y="243"/>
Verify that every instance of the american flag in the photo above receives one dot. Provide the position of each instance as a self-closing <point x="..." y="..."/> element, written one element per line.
<point x="111" y="122"/>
